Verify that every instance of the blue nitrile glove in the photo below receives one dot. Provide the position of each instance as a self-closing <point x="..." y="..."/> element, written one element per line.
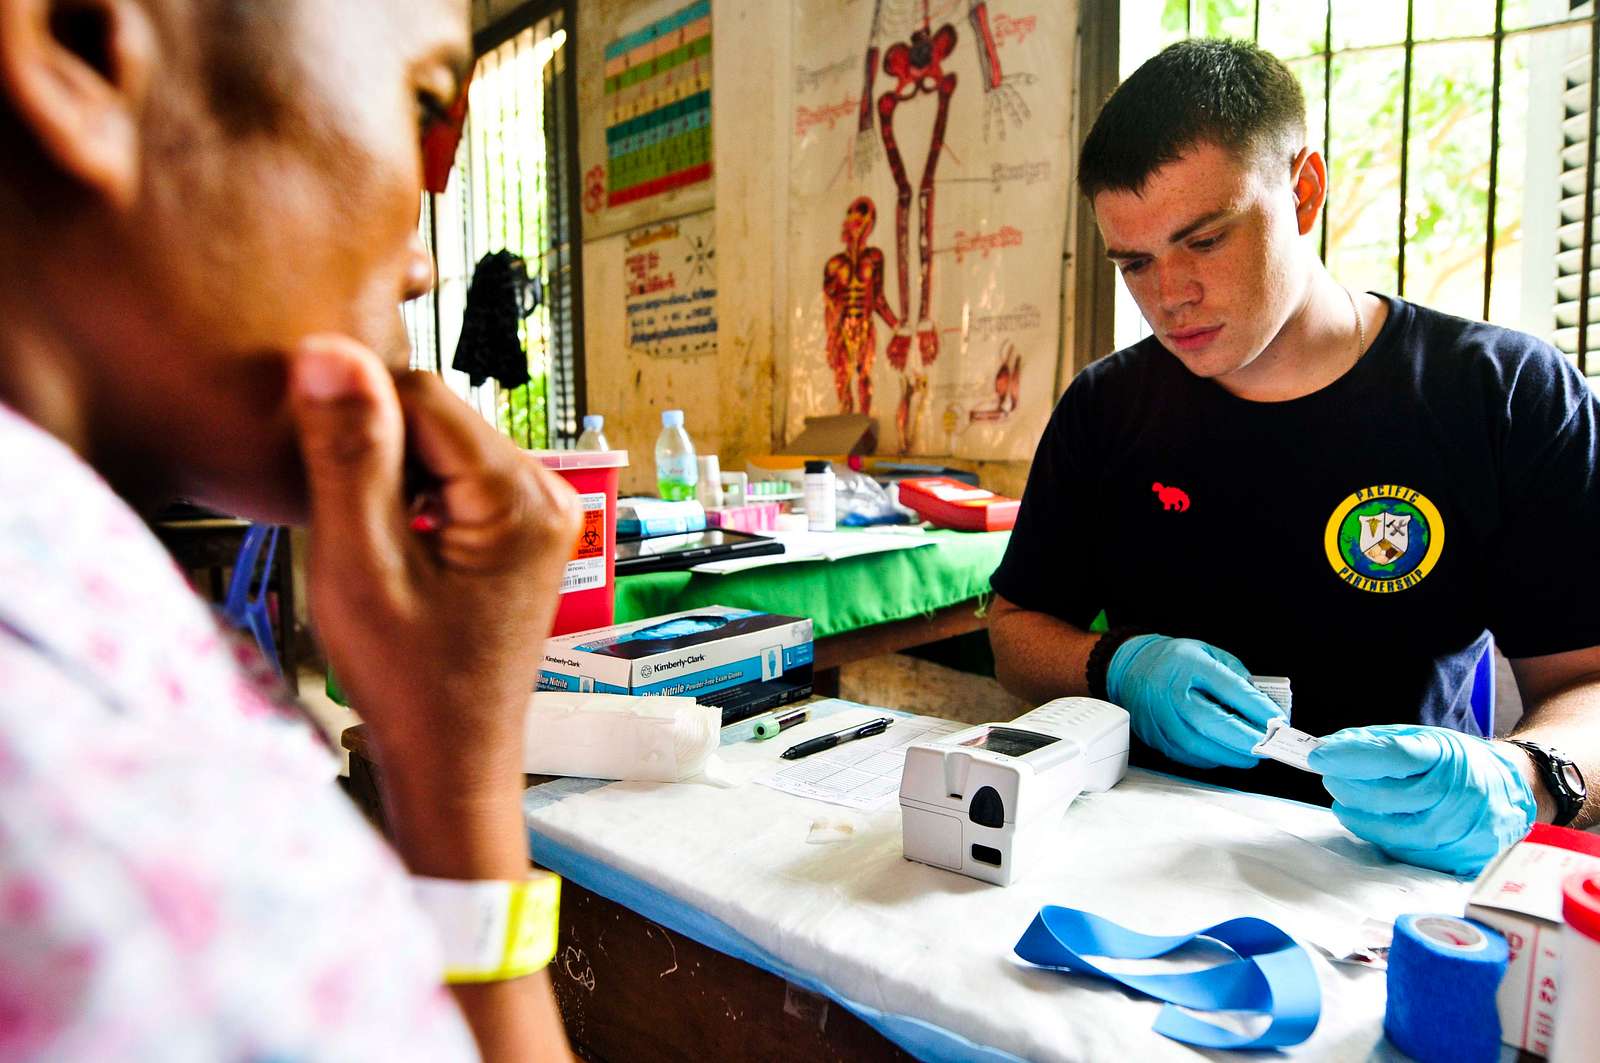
<point x="1426" y="795"/>
<point x="1190" y="700"/>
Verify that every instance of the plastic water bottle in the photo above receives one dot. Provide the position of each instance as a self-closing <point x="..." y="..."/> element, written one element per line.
<point x="593" y="437"/>
<point x="677" y="472"/>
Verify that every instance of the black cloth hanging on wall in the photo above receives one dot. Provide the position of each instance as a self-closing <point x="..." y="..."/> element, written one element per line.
<point x="501" y="294"/>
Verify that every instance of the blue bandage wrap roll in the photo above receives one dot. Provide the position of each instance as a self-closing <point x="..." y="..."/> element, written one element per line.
<point x="1443" y="975"/>
<point x="1272" y="975"/>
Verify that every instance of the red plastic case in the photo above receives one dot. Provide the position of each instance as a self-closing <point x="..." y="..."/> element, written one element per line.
<point x="949" y="503"/>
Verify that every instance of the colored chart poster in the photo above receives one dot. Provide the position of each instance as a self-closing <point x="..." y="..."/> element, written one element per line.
<point x="929" y="182"/>
<point x="650" y="156"/>
<point x="671" y="273"/>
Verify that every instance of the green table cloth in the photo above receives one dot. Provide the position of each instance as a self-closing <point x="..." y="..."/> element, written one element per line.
<point x="838" y="596"/>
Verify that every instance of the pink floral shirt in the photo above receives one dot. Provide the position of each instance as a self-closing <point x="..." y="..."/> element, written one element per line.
<point x="180" y="878"/>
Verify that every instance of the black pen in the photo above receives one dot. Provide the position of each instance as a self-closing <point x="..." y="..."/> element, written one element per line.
<point x="849" y="734"/>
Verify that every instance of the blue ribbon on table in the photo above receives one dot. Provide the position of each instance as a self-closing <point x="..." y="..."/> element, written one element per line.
<point x="1272" y="974"/>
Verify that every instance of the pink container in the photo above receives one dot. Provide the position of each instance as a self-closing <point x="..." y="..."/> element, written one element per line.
<point x="587" y="597"/>
<point x="751" y="517"/>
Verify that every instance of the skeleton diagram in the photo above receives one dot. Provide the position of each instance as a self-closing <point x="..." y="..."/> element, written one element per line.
<point x="917" y="65"/>
<point x="852" y="283"/>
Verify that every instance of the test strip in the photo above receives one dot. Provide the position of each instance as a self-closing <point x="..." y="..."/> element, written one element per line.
<point x="1287" y="745"/>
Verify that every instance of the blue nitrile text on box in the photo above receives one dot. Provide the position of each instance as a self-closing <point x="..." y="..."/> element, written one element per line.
<point x="575" y="684"/>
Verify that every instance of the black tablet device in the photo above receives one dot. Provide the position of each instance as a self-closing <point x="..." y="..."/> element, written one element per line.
<point x="662" y="552"/>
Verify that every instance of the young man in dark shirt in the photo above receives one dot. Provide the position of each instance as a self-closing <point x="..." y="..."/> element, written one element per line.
<point x="1338" y="487"/>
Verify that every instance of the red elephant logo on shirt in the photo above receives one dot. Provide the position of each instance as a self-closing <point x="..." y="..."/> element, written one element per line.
<point x="1172" y="498"/>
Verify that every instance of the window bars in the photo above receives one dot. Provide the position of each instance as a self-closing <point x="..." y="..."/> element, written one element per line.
<point x="1470" y="125"/>
<point x="511" y="189"/>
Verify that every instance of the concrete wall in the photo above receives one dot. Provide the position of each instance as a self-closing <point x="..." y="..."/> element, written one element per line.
<point x="727" y="397"/>
<point x="732" y="400"/>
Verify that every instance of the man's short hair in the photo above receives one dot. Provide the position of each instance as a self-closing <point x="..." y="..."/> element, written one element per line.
<point x="1203" y="91"/>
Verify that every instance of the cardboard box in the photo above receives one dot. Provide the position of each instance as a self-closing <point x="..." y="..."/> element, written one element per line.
<point x="839" y="434"/>
<point x="700" y="653"/>
<point x="1519" y="894"/>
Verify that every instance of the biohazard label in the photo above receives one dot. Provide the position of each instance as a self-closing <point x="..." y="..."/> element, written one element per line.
<point x="587" y="569"/>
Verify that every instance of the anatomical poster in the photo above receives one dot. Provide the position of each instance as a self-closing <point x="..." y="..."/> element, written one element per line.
<point x="928" y="200"/>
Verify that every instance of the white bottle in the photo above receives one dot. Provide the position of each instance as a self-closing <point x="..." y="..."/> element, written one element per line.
<point x="709" y="491"/>
<point x="593" y="437"/>
<point x="821" y="498"/>
<point x="677" y="472"/>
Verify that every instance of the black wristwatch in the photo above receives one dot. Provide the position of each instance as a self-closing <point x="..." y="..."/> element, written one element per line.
<point x="1561" y="778"/>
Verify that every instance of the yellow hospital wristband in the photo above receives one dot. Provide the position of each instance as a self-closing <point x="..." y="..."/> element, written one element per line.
<point x="492" y="931"/>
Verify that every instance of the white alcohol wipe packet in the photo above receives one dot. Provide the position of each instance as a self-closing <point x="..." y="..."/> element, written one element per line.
<point x="1275" y="687"/>
<point x="1284" y="743"/>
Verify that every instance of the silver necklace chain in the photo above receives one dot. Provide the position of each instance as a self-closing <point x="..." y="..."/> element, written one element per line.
<point x="1361" y="327"/>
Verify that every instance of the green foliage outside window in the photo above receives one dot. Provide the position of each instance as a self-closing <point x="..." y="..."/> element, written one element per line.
<point x="1447" y="180"/>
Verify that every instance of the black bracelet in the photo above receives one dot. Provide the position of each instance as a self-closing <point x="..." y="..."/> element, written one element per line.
<point x="1100" y="655"/>
<point x="1553" y="766"/>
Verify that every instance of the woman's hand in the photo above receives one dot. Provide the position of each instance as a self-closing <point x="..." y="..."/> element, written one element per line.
<point x="436" y="635"/>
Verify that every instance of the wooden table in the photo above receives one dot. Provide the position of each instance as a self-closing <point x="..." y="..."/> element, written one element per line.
<point x="629" y="989"/>
<point x="864" y="643"/>
<point x="830" y="655"/>
<point x="919" y="595"/>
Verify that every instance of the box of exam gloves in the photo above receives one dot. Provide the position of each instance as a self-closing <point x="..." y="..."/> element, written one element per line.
<point x="1519" y="894"/>
<point x="692" y="653"/>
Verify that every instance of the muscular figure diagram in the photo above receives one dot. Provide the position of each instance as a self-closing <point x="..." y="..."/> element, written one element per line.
<point x="917" y="65"/>
<point x="852" y="283"/>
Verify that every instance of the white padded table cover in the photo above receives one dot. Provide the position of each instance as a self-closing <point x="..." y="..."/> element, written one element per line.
<point x="824" y="892"/>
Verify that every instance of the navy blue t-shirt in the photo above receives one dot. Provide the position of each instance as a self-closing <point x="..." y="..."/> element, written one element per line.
<point x="1363" y="540"/>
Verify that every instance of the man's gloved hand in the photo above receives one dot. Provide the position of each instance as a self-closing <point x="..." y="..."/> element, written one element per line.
<point x="1190" y="700"/>
<point x="1426" y="795"/>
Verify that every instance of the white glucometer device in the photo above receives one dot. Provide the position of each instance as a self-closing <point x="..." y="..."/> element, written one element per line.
<point x="982" y="801"/>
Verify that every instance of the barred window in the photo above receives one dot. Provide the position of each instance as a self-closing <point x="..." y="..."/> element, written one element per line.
<point x="512" y="189"/>
<point x="1460" y="139"/>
